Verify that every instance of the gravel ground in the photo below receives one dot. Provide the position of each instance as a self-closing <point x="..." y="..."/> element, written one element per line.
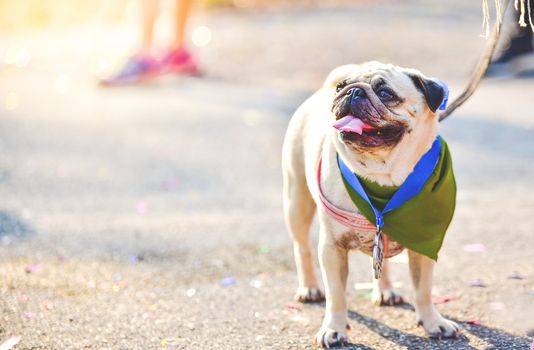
<point x="150" y="217"/>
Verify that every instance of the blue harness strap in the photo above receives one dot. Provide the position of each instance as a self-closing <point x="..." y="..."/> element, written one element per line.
<point x="409" y="188"/>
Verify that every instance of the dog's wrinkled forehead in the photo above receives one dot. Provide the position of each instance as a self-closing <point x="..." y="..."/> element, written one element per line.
<point x="372" y="73"/>
<point x="409" y="85"/>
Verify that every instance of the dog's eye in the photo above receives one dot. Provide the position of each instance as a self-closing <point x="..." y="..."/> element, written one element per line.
<point x="340" y="86"/>
<point x="385" y="95"/>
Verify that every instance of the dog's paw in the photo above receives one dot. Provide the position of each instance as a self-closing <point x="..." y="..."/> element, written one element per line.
<point x="439" y="327"/>
<point x="389" y="297"/>
<point x="309" y="295"/>
<point x="330" y="338"/>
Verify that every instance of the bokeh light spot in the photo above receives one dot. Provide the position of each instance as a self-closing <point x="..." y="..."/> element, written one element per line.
<point x="201" y="36"/>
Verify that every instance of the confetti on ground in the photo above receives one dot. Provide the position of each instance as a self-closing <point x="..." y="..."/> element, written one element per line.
<point x="149" y="314"/>
<point x="47" y="305"/>
<point x="33" y="268"/>
<point x="228" y="281"/>
<point x="164" y="342"/>
<point x="117" y="277"/>
<point x="152" y="307"/>
<point x="474" y="321"/>
<point x="60" y="258"/>
<point x="476" y="283"/>
<point x="91" y="284"/>
<point x="474" y="248"/>
<point x="263" y="249"/>
<point x="532" y="346"/>
<point x="10" y="343"/>
<point x="516" y="276"/>
<point x="170" y="184"/>
<point x="61" y="171"/>
<point x="294" y="306"/>
<point x="256" y="284"/>
<point x="191" y="292"/>
<point x="259" y="337"/>
<point x="497" y="306"/>
<point x="141" y="208"/>
<point x="443" y="299"/>
<point x="133" y="259"/>
<point x="29" y="314"/>
<point x="366" y="295"/>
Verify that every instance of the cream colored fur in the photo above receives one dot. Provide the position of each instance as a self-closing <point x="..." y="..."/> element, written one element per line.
<point x="310" y="136"/>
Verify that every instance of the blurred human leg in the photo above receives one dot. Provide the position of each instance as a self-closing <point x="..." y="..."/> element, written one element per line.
<point x="141" y="65"/>
<point x="183" y="9"/>
<point x="150" y="12"/>
<point x="520" y="42"/>
<point x="179" y="60"/>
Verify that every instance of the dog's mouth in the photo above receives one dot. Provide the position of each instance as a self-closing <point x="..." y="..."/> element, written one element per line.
<point x="354" y="130"/>
<point x="364" y="119"/>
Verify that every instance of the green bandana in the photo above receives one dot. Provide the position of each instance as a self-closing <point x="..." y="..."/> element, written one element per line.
<point x="420" y="223"/>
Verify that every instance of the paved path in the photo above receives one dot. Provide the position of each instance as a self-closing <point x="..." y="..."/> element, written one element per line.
<point x="150" y="217"/>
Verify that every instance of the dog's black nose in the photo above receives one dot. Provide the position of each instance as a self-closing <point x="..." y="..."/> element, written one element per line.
<point x="357" y="95"/>
<point x="356" y="92"/>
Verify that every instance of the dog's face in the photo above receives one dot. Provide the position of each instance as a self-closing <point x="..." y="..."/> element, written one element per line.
<point x="376" y="105"/>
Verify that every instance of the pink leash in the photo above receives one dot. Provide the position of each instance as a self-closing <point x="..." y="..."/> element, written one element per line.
<point x="347" y="218"/>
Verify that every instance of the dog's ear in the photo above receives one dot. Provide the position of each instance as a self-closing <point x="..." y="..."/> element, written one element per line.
<point x="433" y="92"/>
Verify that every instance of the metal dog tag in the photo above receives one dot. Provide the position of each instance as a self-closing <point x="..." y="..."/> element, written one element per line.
<point x="378" y="253"/>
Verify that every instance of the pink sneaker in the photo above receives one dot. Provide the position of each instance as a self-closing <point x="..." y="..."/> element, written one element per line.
<point x="180" y="61"/>
<point x="137" y="69"/>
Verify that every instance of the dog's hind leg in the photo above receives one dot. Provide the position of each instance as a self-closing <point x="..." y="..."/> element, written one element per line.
<point x="383" y="291"/>
<point x="299" y="209"/>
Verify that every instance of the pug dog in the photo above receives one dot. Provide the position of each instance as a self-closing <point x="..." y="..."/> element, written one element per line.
<point x="386" y="120"/>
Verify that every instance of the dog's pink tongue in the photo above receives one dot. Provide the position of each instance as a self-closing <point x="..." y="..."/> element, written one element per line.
<point x="350" y="124"/>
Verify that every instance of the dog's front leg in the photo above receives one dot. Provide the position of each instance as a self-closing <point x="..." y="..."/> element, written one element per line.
<point x="334" y="269"/>
<point x="421" y="271"/>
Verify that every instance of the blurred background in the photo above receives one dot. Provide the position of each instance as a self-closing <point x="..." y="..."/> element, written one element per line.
<point x="149" y="215"/>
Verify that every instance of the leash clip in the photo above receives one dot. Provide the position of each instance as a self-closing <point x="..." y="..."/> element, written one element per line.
<point x="378" y="252"/>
